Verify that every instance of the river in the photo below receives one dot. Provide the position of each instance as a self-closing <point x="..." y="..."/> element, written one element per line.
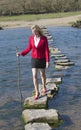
<point x="68" y="99"/>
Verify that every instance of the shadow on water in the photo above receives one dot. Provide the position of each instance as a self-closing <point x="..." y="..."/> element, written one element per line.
<point x="64" y="121"/>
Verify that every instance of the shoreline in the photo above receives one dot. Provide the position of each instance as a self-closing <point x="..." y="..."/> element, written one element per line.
<point x="65" y="21"/>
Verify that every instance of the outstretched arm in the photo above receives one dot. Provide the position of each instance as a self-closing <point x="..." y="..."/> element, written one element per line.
<point x="25" y="51"/>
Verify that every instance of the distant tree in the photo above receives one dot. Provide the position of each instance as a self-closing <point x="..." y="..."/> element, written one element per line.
<point x="15" y="7"/>
<point x="58" y="5"/>
<point x="74" y="5"/>
<point x="23" y="5"/>
<point x="47" y="6"/>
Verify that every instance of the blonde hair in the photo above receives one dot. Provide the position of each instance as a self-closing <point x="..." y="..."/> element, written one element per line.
<point x="37" y="28"/>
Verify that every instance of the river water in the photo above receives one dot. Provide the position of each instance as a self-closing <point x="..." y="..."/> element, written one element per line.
<point x="67" y="101"/>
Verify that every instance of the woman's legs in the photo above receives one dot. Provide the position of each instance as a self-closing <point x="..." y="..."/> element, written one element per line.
<point x="43" y="77"/>
<point x="35" y="80"/>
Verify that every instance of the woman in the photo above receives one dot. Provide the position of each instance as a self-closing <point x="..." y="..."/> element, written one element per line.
<point x="39" y="58"/>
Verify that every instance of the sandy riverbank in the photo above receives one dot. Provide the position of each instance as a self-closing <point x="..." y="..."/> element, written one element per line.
<point x="66" y="21"/>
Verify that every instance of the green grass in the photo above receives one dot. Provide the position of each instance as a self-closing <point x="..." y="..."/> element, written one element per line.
<point x="32" y="17"/>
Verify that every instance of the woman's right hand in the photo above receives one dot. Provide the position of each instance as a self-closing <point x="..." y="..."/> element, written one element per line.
<point x="47" y="64"/>
<point x="18" y="54"/>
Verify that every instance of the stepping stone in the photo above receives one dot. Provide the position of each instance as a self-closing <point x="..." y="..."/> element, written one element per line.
<point x="53" y="80"/>
<point x="54" y="50"/>
<point x="57" y="55"/>
<point x="43" y="28"/>
<point x="60" y="58"/>
<point x="50" y="40"/>
<point x="60" y="67"/>
<point x="61" y="61"/>
<point x="37" y="126"/>
<point x="40" y="103"/>
<point x="49" y="116"/>
<point x="49" y="36"/>
<point x="51" y="88"/>
<point x="57" y="74"/>
<point x="46" y="32"/>
<point x="66" y="64"/>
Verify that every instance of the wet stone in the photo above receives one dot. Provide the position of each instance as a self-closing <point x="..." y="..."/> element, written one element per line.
<point x="40" y="103"/>
<point x="54" y="50"/>
<point x="60" y="67"/>
<point x="57" y="74"/>
<point x="51" y="88"/>
<point x="49" y="116"/>
<point x="66" y="64"/>
<point x="57" y="55"/>
<point x="54" y="80"/>
<point x="37" y="126"/>
<point x="61" y="61"/>
<point x="60" y="58"/>
<point x="50" y="40"/>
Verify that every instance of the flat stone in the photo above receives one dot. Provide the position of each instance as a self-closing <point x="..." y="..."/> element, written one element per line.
<point x="54" y="50"/>
<point x="51" y="88"/>
<point x="40" y="103"/>
<point x="37" y="126"/>
<point x="57" y="55"/>
<point x="44" y="28"/>
<point x="49" y="116"/>
<point x="57" y="74"/>
<point x="60" y="67"/>
<point x="50" y="40"/>
<point x="61" y="61"/>
<point x="46" y="32"/>
<point x="49" y="36"/>
<point x="66" y="64"/>
<point x="61" y="57"/>
<point x="54" y="80"/>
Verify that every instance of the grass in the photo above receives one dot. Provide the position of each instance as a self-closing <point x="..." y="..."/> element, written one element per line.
<point x="32" y="17"/>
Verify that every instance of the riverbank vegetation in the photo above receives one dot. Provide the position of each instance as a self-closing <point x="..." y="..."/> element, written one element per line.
<point x="32" y="17"/>
<point x="77" y="24"/>
<point x="17" y="7"/>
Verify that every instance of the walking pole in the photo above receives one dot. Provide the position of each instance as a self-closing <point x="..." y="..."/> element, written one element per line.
<point x="21" y="97"/>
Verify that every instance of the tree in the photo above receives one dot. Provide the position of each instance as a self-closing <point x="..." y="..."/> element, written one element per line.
<point x="15" y="7"/>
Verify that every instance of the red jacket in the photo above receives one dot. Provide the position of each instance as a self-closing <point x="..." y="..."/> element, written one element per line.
<point x="41" y="51"/>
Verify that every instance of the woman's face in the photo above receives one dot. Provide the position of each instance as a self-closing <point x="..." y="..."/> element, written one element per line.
<point x="35" y="32"/>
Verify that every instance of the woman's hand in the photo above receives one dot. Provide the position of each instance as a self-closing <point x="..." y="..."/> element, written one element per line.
<point x="47" y="64"/>
<point x="18" y="54"/>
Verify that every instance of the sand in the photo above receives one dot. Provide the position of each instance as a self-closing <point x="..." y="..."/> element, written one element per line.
<point x="66" y="21"/>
